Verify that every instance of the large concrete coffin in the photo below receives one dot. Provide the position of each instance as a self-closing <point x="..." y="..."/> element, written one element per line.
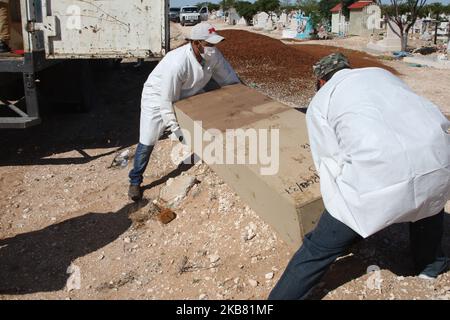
<point x="290" y="200"/>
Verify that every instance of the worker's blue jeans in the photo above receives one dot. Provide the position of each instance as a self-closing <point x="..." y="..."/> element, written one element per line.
<point x="141" y="159"/>
<point x="331" y="239"/>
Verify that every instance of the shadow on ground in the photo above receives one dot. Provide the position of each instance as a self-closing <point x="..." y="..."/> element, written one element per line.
<point x="388" y="249"/>
<point x="37" y="261"/>
<point x="112" y="123"/>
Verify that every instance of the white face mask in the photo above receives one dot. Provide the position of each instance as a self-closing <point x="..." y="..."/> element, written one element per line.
<point x="208" y="52"/>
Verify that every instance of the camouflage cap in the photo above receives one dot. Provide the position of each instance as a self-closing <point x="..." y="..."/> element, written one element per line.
<point x="329" y="64"/>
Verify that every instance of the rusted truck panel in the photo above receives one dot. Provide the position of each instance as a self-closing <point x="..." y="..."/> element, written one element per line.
<point x="51" y="32"/>
<point x="97" y="28"/>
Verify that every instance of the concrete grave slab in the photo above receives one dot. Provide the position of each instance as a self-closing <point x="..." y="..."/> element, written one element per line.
<point x="428" y="61"/>
<point x="392" y="42"/>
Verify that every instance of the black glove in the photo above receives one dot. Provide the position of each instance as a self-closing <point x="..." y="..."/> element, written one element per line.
<point x="179" y="134"/>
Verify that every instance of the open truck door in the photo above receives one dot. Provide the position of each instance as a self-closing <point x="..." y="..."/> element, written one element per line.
<point x="58" y="30"/>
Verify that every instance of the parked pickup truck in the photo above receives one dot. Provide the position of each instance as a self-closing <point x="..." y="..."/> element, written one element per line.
<point x="192" y="15"/>
<point x="174" y="14"/>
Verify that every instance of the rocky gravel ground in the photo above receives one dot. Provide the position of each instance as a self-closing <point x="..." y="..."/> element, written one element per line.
<point x="68" y="231"/>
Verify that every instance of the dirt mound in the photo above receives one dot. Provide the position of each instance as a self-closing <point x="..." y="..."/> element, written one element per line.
<point x="264" y="60"/>
<point x="280" y="70"/>
<point x="357" y="59"/>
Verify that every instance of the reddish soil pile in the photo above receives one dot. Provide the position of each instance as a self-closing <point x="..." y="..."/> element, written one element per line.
<point x="265" y="60"/>
<point x="358" y="59"/>
<point x="282" y="71"/>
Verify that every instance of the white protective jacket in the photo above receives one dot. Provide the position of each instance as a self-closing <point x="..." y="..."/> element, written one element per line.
<point x="382" y="151"/>
<point x="179" y="75"/>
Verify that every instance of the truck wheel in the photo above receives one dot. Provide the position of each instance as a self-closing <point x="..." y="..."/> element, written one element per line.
<point x="182" y="23"/>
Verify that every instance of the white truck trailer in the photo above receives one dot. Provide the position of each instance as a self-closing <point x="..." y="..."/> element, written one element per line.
<point x="54" y="31"/>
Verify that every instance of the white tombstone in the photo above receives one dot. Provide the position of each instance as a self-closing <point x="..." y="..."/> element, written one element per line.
<point x="448" y="50"/>
<point x="426" y="36"/>
<point x="233" y="16"/>
<point x="284" y="19"/>
<point x="269" y="25"/>
<point x="393" y="31"/>
<point x="262" y="20"/>
<point x="418" y="25"/>
<point x="272" y="22"/>
<point x="391" y="42"/>
<point x="293" y="24"/>
<point x="242" y="22"/>
<point x="322" y="34"/>
<point x="255" y="20"/>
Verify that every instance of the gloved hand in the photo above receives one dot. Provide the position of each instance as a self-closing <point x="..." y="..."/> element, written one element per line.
<point x="177" y="134"/>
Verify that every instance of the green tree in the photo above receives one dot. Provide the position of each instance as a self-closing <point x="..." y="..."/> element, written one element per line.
<point x="447" y="9"/>
<point x="345" y="5"/>
<point x="325" y="6"/>
<point x="310" y="8"/>
<point x="227" y="4"/>
<point x="267" y="5"/>
<point x="246" y="9"/>
<point x="288" y="7"/>
<point x="389" y="9"/>
<point x="435" y="10"/>
<point x="211" y="6"/>
<point x="285" y="3"/>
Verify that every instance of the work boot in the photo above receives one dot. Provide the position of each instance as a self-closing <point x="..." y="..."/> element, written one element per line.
<point x="4" y="48"/>
<point x="135" y="193"/>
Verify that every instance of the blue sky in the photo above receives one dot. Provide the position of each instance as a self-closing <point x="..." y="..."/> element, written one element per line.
<point x="178" y="3"/>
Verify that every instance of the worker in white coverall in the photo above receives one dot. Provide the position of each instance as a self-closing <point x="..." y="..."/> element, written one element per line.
<point x="383" y="156"/>
<point x="182" y="73"/>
